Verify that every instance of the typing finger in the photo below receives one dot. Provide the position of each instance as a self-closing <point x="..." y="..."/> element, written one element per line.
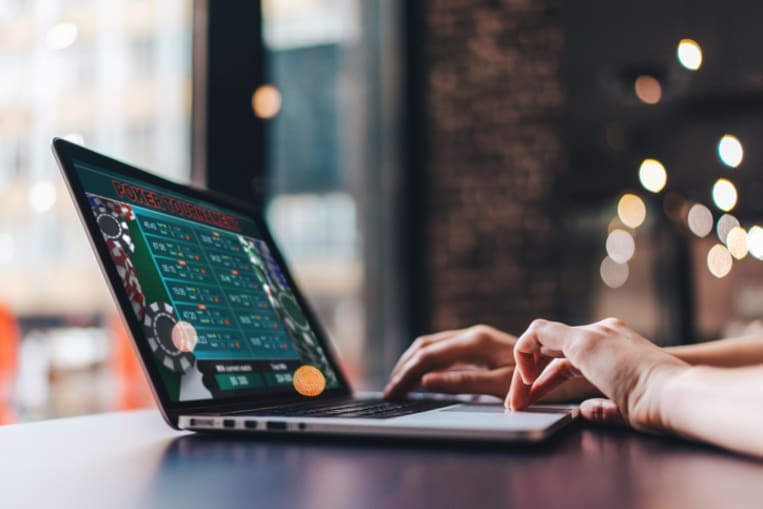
<point x="518" y="393"/>
<point x="556" y="373"/>
<point x="434" y="357"/>
<point x="418" y="344"/>
<point x="542" y="339"/>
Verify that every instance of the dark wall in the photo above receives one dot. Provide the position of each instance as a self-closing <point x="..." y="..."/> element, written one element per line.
<point x="490" y="83"/>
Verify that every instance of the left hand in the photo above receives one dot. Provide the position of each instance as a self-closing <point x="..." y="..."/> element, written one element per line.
<point x="630" y="370"/>
<point x="476" y="360"/>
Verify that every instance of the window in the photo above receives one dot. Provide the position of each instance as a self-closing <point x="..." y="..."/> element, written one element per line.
<point x="335" y="66"/>
<point x="73" y="68"/>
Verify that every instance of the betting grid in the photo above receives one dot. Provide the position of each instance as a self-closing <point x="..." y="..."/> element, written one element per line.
<point x="206" y="278"/>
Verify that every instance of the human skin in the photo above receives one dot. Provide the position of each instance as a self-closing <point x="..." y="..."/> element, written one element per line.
<point x="479" y="360"/>
<point x="649" y="388"/>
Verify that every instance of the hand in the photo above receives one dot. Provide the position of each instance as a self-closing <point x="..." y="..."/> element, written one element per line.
<point x="430" y="362"/>
<point x="630" y="370"/>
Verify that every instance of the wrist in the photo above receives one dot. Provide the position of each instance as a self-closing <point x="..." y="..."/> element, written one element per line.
<point x="674" y="391"/>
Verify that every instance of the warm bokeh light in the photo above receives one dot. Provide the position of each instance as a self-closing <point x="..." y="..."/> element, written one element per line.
<point x="266" y="101"/>
<point x="42" y="196"/>
<point x="724" y="195"/>
<point x="689" y="54"/>
<point x="631" y="210"/>
<point x="736" y="242"/>
<point x="719" y="261"/>
<point x="648" y="89"/>
<point x="730" y="151"/>
<point x="652" y="175"/>
<point x="620" y="246"/>
<point x="612" y="273"/>
<point x="700" y="220"/>
<point x="726" y="223"/>
<point x="755" y="242"/>
<point x="61" y="35"/>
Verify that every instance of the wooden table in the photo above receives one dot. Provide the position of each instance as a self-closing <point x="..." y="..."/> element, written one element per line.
<point x="134" y="460"/>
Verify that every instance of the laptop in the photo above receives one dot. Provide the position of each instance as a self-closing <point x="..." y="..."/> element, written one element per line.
<point x="225" y="336"/>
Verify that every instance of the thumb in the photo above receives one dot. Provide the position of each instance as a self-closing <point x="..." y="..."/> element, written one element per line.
<point x="601" y="411"/>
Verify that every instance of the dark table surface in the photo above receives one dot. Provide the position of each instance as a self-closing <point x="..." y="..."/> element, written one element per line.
<point x="135" y="460"/>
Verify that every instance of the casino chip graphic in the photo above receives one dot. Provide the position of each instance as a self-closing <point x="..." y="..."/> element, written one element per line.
<point x="159" y="325"/>
<point x="285" y="306"/>
<point x="172" y="341"/>
<point x="113" y="220"/>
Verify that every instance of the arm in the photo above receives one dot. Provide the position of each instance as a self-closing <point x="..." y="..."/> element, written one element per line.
<point x="733" y="352"/>
<point x="479" y="360"/>
<point x="723" y="406"/>
<point x="647" y="388"/>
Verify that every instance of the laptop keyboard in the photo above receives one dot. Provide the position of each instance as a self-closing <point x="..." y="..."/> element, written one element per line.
<point x="365" y="409"/>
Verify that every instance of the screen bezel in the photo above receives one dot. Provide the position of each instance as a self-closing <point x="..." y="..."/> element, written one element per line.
<point x="66" y="153"/>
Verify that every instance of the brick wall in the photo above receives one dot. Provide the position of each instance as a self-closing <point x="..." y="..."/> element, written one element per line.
<point x="493" y="101"/>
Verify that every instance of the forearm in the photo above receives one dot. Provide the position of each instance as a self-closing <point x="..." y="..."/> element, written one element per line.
<point x="722" y="406"/>
<point x="733" y="352"/>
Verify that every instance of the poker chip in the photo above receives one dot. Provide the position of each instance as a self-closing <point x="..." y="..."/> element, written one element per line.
<point x="135" y="292"/>
<point x="289" y="304"/>
<point x="158" y="323"/>
<point x="274" y="303"/>
<point x="129" y="277"/>
<point x="114" y="227"/>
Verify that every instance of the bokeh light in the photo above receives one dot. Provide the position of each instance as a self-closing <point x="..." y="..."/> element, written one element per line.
<point x="75" y="138"/>
<point x="266" y="101"/>
<point x="726" y="223"/>
<point x="719" y="261"/>
<point x="620" y="246"/>
<point x="736" y="242"/>
<point x="652" y="175"/>
<point x="631" y="210"/>
<point x="61" y="35"/>
<point x="648" y="89"/>
<point x="724" y="195"/>
<point x="730" y="151"/>
<point x="42" y="196"/>
<point x="612" y="273"/>
<point x="689" y="54"/>
<point x="700" y="220"/>
<point x="755" y="242"/>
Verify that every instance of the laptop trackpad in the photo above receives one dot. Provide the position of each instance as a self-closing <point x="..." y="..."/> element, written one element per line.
<point x="488" y="417"/>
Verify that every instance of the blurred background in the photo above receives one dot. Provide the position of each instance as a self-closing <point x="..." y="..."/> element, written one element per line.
<point x="423" y="165"/>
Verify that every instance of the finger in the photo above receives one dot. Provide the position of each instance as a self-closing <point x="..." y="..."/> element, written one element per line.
<point x="434" y="357"/>
<point x="418" y="344"/>
<point x="517" y="397"/>
<point x="602" y="411"/>
<point x="494" y="382"/>
<point x="556" y="373"/>
<point x="542" y="339"/>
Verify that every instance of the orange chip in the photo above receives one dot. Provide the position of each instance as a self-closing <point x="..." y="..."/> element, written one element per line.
<point x="309" y="381"/>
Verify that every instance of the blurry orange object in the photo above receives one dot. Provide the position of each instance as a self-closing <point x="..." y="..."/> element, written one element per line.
<point x="9" y="354"/>
<point x="134" y="391"/>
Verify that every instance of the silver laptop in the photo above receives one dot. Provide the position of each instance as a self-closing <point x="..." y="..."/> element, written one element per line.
<point x="224" y="334"/>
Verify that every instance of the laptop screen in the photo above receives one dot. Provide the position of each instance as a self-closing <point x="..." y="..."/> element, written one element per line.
<point x="217" y="312"/>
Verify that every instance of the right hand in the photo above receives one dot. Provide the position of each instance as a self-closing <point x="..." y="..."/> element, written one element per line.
<point x="475" y="360"/>
<point x="628" y="369"/>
